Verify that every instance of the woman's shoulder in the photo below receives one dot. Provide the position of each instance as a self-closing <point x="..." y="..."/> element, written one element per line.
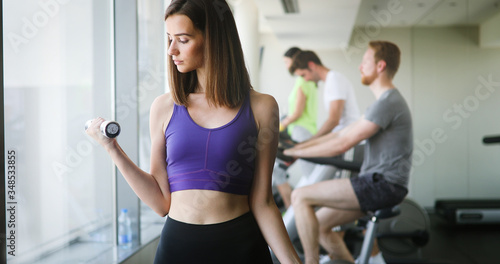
<point x="264" y="107"/>
<point x="163" y="102"/>
<point x="162" y="108"/>
<point x="262" y="100"/>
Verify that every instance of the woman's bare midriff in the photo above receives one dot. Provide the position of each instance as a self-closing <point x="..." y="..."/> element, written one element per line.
<point x="207" y="207"/>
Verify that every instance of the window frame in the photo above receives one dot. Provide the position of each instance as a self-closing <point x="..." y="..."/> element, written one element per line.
<point x="124" y="72"/>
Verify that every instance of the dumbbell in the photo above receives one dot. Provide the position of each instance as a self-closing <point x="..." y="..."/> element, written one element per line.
<point x="109" y="129"/>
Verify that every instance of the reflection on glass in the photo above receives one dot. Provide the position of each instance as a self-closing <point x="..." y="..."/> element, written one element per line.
<point x="151" y="55"/>
<point x="57" y="62"/>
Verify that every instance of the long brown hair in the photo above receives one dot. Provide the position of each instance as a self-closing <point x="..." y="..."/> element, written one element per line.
<point x="228" y="81"/>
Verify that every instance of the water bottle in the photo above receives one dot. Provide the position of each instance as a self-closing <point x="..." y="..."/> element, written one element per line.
<point x="124" y="230"/>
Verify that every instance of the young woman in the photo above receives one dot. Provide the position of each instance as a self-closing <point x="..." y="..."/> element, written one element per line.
<point x="214" y="142"/>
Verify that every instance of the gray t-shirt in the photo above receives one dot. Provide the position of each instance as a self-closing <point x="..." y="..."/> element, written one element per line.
<point x="389" y="151"/>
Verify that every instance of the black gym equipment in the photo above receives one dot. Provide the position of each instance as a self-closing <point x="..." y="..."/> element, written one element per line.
<point x="371" y="231"/>
<point x="470" y="211"/>
<point x="491" y="139"/>
<point x="401" y="231"/>
<point x="474" y="211"/>
<point x="402" y="238"/>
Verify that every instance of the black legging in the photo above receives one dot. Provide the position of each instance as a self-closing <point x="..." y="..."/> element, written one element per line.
<point x="235" y="241"/>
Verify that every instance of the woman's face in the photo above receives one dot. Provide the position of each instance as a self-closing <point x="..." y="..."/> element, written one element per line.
<point x="185" y="43"/>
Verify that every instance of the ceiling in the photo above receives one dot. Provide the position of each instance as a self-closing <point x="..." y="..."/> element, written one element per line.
<point x="323" y="24"/>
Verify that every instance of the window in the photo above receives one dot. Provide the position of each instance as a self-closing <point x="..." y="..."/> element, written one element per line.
<point x="152" y="83"/>
<point x="57" y="65"/>
<point x="59" y="71"/>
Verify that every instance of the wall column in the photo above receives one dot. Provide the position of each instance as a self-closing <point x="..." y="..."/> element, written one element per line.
<point x="246" y="15"/>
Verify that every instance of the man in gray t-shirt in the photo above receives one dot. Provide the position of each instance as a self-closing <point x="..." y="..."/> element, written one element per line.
<point x="383" y="180"/>
<point x="388" y="152"/>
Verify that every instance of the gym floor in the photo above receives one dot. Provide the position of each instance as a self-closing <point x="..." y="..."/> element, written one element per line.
<point x="473" y="244"/>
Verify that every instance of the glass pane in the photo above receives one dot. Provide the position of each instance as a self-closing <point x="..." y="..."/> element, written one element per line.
<point x="57" y="62"/>
<point x="151" y="55"/>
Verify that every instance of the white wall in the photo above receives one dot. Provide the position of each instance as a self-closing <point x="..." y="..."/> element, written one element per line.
<point x="440" y="68"/>
<point x="448" y="71"/>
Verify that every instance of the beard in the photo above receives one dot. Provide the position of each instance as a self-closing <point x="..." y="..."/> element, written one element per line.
<point x="368" y="79"/>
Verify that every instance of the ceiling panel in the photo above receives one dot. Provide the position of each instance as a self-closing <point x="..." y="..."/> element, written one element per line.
<point x="389" y="13"/>
<point x="320" y="24"/>
<point x="326" y="24"/>
<point x="459" y="12"/>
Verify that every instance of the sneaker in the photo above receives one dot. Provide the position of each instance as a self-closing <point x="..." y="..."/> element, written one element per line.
<point x="377" y="259"/>
<point x="324" y="259"/>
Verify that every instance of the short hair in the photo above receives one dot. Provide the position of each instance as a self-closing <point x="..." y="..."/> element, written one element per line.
<point x="292" y="52"/>
<point x="301" y="60"/>
<point x="388" y="52"/>
<point x="228" y="81"/>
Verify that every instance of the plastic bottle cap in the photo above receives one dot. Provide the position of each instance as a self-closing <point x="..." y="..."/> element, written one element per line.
<point x="124" y="210"/>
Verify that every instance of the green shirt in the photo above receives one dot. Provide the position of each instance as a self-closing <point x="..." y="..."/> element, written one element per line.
<point x="310" y="113"/>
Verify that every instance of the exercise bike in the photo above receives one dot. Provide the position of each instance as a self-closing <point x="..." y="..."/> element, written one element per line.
<point x="401" y="230"/>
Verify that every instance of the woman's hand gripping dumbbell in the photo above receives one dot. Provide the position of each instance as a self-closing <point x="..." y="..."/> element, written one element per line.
<point x="102" y="131"/>
<point x="109" y="129"/>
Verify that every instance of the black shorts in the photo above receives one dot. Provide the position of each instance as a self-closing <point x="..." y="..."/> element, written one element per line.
<point x="236" y="241"/>
<point x="374" y="192"/>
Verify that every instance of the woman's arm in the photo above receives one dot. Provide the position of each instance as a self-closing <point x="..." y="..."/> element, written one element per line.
<point x="300" y="105"/>
<point x="262" y="204"/>
<point x="152" y="188"/>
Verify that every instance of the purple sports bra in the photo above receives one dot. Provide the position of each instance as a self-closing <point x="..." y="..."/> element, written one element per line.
<point x="220" y="159"/>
